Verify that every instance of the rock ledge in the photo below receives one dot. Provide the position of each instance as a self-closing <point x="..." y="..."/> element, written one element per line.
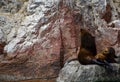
<point x="74" y="72"/>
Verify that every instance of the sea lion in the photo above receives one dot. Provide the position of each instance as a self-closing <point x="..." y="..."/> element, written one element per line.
<point x="108" y="55"/>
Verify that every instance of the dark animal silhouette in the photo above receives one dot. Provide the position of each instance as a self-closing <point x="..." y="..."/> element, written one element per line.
<point x="108" y="55"/>
<point x="88" y="53"/>
<point x="88" y="50"/>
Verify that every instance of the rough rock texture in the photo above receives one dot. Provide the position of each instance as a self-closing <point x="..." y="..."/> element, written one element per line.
<point x="38" y="36"/>
<point x="74" y="72"/>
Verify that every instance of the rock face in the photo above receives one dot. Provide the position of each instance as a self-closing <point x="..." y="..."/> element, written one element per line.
<point x="74" y="72"/>
<point x="38" y="36"/>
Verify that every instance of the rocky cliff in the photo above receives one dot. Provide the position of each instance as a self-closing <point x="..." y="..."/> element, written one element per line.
<point x="38" y="36"/>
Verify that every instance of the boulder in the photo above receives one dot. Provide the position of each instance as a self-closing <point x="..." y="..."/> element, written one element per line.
<point x="75" y="72"/>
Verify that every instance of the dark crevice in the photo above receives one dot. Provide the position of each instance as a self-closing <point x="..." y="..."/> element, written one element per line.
<point x="62" y="51"/>
<point x="108" y="14"/>
<point x="2" y="45"/>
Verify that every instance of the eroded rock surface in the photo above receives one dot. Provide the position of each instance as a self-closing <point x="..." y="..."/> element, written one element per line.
<point x="74" y="72"/>
<point x="40" y="35"/>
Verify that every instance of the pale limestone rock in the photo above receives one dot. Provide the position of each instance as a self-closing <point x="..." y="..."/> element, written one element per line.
<point x="74" y="72"/>
<point x="2" y="37"/>
<point x="115" y="23"/>
<point x="27" y="30"/>
<point x="12" y="45"/>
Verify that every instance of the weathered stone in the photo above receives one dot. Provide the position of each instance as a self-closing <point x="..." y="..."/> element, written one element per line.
<point x="10" y="6"/>
<point x="2" y="37"/>
<point x="42" y="34"/>
<point x="74" y="72"/>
